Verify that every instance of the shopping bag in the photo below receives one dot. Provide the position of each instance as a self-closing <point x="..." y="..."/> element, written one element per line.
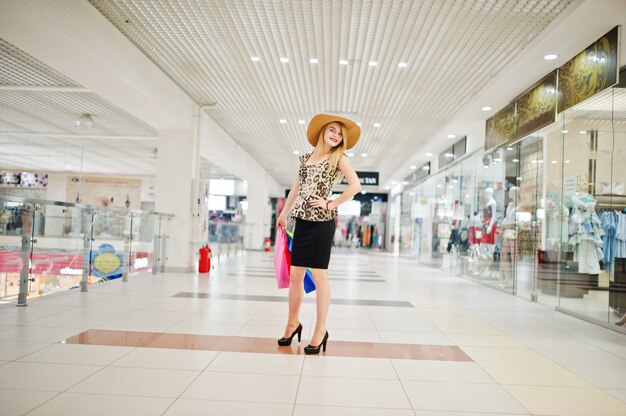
<point x="282" y="260"/>
<point x="309" y="285"/>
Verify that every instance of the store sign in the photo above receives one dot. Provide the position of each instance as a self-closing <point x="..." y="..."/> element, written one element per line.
<point x="366" y="178"/>
<point x="536" y="108"/>
<point x="589" y="72"/>
<point x="501" y="127"/>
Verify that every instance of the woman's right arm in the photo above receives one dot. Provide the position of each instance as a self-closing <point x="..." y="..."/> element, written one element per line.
<point x="291" y="199"/>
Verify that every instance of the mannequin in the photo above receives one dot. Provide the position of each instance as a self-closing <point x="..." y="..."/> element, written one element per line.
<point x="509" y="239"/>
<point x="489" y="220"/>
<point x="586" y="233"/>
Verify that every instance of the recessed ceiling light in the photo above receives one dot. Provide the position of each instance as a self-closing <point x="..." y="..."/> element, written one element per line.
<point x="363" y="192"/>
<point x="387" y="188"/>
<point x="550" y="57"/>
<point x="402" y="65"/>
<point x="405" y="183"/>
<point x="300" y="121"/>
<point x="509" y="148"/>
<point x="438" y="185"/>
<point x="583" y="132"/>
<point x="519" y="178"/>
<point x="451" y="136"/>
<point x="428" y="154"/>
<point x="413" y="167"/>
<point x="564" y="131"/>
<point x="373" y="63"/>
<point x="486" y="108"/>
<point x="554" y="162"/>
<point x="313" y="60"/>
<point x="496" y="159"/>
<point x="358" y="123"/>
<point x="363" y="154"/>
<point x="296" y="152"/>
<point x="425" y="167"/>
<point x="567" y="161"/>
<point x="515" y="160"/>
<point x="343" y="62"/>
<point x="284" y="60"/>
<point x="68" y="166"/>
<point x="283" y="121"/>
<point x="376" y="124"/>
<point x="350" y="154"/>
<point x="255" y="58"/>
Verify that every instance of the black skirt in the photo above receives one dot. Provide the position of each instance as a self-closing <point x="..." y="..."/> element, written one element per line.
<point x="312" y="241"/>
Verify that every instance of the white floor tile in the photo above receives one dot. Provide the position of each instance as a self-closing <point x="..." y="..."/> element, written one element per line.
<point x="243" y="388"/>
<point x="100" y="355"/>
<point x="352" y="392"/>
<point x="567" y="401"/>
<point x="43" y="376"/>
<point x="195" y="407"/>
<point x="353" y="335"/>
<point x="351" y="367"/>
<point x="306" y="410"/>
<point x="37" y="334"/>
<point x="533" y="374"/>
<point x="441" y="371"/>
<point x="423" y="338"/>
<point x="204" y="329"/>
<point x="102" y="405"/>
<point x="273" y="364"/>
<point x="225" y="318"/>
<point x="167" y="359"/>
<point x="505" y="355"/>
<point x="19" y="402"/>
<point x="490" y="341"/>
<point x="461" y="397"/>
<point x="11" y="350"/>
<point x="263" y="331"/>
<point x="137" y="382"/>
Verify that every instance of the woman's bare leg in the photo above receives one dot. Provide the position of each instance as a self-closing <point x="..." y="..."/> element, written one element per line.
<point x="322" y="300"/>
<point x="296" y="294"/>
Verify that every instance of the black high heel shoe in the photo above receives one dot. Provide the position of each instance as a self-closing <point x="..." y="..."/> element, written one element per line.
<point x="287" y="341"/>
<point x="311" y="349"/>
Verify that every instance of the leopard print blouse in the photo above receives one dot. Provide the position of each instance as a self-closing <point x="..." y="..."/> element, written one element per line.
<point x="314" y="180"/>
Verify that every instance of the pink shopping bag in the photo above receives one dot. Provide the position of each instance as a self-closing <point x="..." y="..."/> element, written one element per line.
<point x="282" y="261"/>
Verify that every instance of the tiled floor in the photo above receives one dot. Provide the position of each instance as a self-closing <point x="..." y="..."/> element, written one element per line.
<point x="404" y="341"/>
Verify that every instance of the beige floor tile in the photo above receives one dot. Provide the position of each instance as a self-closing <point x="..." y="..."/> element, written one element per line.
<point x="567" y="401"/>
<point x="533" y="374"/>
<point x="11" y="350"/>
<point x="77" y="354"/>
<point x="441" y="371"/>
<point x="490" y="341"/>
<point x="423" y="338"/>
<point x="505" y="355"/>
<point x="43" y="376"/>
<point x="306" y="410"/>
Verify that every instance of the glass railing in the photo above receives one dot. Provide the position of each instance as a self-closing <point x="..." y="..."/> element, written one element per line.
<point x="226" y="239"/>
<point x="50" y="246"/>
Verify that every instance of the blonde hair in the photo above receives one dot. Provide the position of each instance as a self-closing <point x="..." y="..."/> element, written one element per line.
<point x="337" y="152"/>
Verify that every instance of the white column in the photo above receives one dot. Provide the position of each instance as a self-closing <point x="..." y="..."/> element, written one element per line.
<point x="257" y="225"/>
<point x="176" y="161"/>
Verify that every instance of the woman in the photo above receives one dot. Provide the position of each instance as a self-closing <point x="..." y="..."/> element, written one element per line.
<point x="315" y="218"/>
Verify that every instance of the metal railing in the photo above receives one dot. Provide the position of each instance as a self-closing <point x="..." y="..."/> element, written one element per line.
<point x="226" y="238"/>
<point x="51" y="246"/>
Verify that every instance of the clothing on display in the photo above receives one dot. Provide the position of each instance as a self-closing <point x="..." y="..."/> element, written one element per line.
<point x="585" y="233"/>
<point x="614" y="238"/>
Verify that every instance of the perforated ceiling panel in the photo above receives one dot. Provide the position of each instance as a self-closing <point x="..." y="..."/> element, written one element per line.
<point x="451" y="49"/>
<point x="37" y="125"/>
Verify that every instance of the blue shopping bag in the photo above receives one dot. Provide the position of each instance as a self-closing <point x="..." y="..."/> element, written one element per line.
<point x="309" y="285"/>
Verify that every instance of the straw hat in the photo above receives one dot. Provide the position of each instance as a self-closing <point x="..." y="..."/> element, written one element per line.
<point x="319" y="121"/>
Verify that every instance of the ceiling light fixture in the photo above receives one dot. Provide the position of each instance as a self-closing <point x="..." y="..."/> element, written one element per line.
<point x="300" y="121"/>
<point x="284" y="60"/>
<point x="343" y="62"/>
<point x="425" y="167"/>
<point x="350" y="154"/>
<point x="314" y="61"/>
<point x="402" y="65"/>
<point x="451" y="136"/>
<point x="428" y="154"/>
<point x="296" y="152"/>
<point x="564" y="131"/>
<point x="412" y="167"/>
<point x="373" y="63"/>
<point x="358" y="123"/>
<point x="550" y="57"/>
<point x="376" y="125"/>
<point x="583" y="132"/>
<point x="283" y="121"/>
<point x="363" y="154"/>
<point x="255" y="58"/>
<point x="486" y="108"/>
<point x="84" y="122"/>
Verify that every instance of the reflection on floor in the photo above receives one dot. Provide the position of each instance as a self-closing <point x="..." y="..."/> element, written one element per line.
<point x="404" y="340"/>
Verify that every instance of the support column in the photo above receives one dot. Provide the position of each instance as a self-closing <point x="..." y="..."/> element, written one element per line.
<point x="257" y="223"/>
<point x="175" y="172"/>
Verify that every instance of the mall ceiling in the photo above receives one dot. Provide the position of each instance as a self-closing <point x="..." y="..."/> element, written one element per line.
<point x="401" y="68"/>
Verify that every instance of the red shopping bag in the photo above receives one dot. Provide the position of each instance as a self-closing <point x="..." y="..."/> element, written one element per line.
<point x="282" y="259"/>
